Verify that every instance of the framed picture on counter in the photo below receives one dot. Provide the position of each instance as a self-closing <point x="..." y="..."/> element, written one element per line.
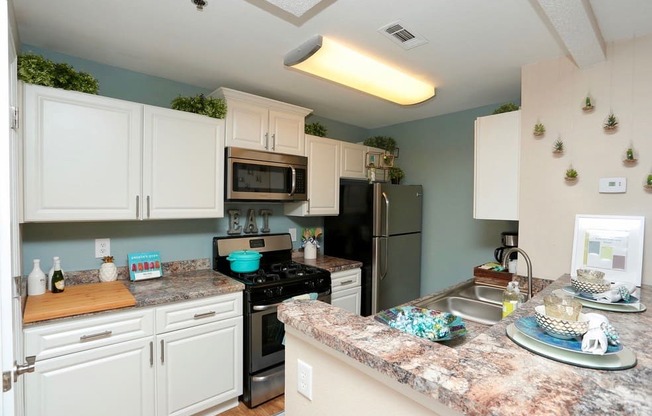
<point x="143" y="266"/>
<point x="611" y="244"/>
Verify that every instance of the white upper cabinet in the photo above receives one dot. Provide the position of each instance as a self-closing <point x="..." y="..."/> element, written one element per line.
<point x="323" y="179"/>
<point x="183" y="165"/>
<point x="353" y="161"/>
<point x="82" y="156"/>
<point x="260" y="123"/>
<point x="92" y="158"/>
<point x="497" y="161"/>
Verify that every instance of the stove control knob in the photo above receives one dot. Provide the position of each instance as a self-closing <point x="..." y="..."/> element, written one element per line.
<point x="279" y="291"/>
<point x="311" y="284"/>
<point x="269" y="293"/>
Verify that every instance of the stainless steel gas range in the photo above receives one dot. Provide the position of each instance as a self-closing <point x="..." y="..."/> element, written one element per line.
<point x="278" y="279"/>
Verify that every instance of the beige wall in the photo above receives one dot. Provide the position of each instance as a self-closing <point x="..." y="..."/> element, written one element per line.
<point x="553" y="93"/>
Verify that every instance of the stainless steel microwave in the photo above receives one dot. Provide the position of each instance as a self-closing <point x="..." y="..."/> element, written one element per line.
<point x="253" y="175"/>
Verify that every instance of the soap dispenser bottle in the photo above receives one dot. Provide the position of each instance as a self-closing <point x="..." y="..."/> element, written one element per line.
<point x="511" y="298"/>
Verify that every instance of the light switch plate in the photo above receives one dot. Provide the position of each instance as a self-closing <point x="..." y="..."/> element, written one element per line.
<point x="613" y="185"/>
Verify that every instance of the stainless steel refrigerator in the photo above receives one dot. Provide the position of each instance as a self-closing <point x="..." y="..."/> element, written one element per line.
<point x="380" y="225"/>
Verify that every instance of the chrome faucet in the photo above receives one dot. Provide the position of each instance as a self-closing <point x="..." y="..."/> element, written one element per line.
<point x="511" y="250"/>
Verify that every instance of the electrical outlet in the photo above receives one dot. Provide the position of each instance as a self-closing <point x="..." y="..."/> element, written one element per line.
<point x="293" y="234"/>
<point x="304" y="379"/>
<point x="102" y="247"/>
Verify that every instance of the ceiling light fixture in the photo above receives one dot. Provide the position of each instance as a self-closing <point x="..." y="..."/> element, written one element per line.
<point x="200" y="4"/>
<point x="328" y="59"/>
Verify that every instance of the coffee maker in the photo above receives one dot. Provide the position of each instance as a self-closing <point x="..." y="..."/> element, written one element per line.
<point x="508" y="239"/>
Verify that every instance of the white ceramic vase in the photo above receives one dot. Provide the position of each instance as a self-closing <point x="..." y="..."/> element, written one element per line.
<point x="309" y="251"/>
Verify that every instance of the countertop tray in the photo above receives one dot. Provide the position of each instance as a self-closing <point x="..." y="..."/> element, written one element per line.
<point x="620" y="361"/>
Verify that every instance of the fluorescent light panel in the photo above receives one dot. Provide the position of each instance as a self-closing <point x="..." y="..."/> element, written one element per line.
<point x="328" y="59"/>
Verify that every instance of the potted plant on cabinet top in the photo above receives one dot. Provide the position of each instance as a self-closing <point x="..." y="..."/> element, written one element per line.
<point x="315" y="129"/>
<point x="396" y="174"/>
<point x="200" y="104"/>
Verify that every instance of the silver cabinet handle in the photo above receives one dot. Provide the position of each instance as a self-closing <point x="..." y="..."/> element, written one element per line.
<point x="294" y="180"/>
<point x="93" y="337"/>
<point x="204" y="315"/>
<point x="151" y="353"/>
<point x="20" y="369"/>
<point x="274" y="141"/>
<point x="147" y="206"/>
<point x="267" y="141"/>
<point x="162" y="352"/>
<point x="308" y="209"/>
<point x="137" y="206"/>
<point x="346" y="282"/>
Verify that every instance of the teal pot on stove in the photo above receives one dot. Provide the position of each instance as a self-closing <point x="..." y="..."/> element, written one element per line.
<point x="244" y="261"/>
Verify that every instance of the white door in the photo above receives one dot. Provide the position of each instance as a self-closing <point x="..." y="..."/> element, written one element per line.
<point x="287" y="132"/>
<point x="323" y="176"/>
<point x="247" y="126"/>
<point x="10" y="324"/>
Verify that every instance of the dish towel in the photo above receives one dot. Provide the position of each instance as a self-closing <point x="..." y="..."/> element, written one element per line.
<point x="424" y="323"/>
<point x="619" y="291"/>
<point x="600" y="334"/>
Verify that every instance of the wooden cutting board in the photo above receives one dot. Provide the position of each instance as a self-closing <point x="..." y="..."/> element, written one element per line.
<point x="76" y="300"/>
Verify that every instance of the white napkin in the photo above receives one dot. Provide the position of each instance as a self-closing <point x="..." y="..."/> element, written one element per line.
<point x="595" y="341"/>
<point x="617" y="292"/>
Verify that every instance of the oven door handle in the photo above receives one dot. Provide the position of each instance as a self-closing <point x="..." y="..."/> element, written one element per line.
<point x="294" y="180"/>
<point x="272" y="306"/>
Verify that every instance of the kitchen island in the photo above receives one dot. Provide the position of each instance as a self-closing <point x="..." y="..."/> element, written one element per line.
<point x="379" y="370"/>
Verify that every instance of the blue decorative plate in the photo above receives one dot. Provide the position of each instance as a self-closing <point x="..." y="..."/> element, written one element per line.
<point x="528" y="326"/>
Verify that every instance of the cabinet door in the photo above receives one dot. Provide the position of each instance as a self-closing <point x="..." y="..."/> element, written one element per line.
<point x="183" y="165"/>
<point x="287" y="133"/>
<point x="348" y="299"/>
<point x="323" y="179"/>
<point x="107" y="381"/>
<point x="497" y="160"/>
<point x="353" y="161"/>
<point x="82" y="156"/>
<point x="199" y="367"/>
<point x="247" y="126"/>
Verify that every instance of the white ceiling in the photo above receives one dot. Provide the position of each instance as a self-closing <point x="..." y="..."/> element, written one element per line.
<point x="475" y="50"/>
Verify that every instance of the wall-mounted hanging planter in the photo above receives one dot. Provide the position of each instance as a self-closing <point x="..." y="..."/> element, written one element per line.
<point x="648" y="183"/>
<point x="630" y="158"/>
<point x="558" y="147"/>
<point x="539" y="130"/>
<point x="571" y="175"/>
<point x="588" y="105"/>
<point x="611" y="123"/>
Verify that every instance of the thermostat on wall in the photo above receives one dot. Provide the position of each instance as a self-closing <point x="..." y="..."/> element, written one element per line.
<point x="613" y="185"/>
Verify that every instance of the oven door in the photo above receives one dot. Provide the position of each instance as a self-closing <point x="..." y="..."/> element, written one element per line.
<point x="267" y="333"/>
<point x="252" y="180"/>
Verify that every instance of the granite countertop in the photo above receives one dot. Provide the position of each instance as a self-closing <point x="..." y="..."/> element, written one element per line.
<point x="332" y="264"/>
<point x="489" y="374"/>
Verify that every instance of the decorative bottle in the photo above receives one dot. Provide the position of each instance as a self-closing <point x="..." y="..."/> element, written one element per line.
<point x="58" y="283"/>
<point x="51" y="272"/>
<point x="511" y="298"/>
<point x="36" y="280"/>
<point x="108" y="271"/>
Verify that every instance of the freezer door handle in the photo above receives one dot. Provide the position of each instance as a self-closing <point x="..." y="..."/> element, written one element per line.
<point x="384" y="241"/>
<point x="385" y="232"/>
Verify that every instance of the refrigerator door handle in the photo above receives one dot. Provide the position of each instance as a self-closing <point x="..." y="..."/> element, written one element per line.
<point x="385" y="232"/>
<point x="383" y="274"/>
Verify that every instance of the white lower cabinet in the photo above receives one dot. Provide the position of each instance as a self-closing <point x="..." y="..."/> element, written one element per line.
<point x="346" y="290"/>
<point x="125" y="363"/>
<point x="107" y="381"/>
<point x="199" y="367"/>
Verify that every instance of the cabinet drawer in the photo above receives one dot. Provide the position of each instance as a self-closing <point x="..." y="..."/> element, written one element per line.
<point x="345" y="279"/>
<point x="197" y="312"/>
<point x="56" y="339"/>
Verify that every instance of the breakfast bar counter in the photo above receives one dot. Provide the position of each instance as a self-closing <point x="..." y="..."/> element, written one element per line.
<point x="396" y="373"/>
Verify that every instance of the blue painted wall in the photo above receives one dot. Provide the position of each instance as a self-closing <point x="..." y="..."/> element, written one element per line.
<point x="438" y="153"/>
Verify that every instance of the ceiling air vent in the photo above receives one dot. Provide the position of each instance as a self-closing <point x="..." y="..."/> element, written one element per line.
<point x="408" y="39"/>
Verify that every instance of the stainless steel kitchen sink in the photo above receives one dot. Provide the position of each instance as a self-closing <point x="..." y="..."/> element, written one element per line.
<point x="484" y="293"/>
<point x="477" y="303"/>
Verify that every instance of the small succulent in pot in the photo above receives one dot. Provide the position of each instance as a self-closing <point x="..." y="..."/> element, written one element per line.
<point x="611" y="123"/>
<point x="539" y="129"/>
<point x="649" y="179"/>
<point x="587" y="104"/>
<point x="629" y="155"/>
<point x="571" y="174"/>
<point x="558" y="146"/>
